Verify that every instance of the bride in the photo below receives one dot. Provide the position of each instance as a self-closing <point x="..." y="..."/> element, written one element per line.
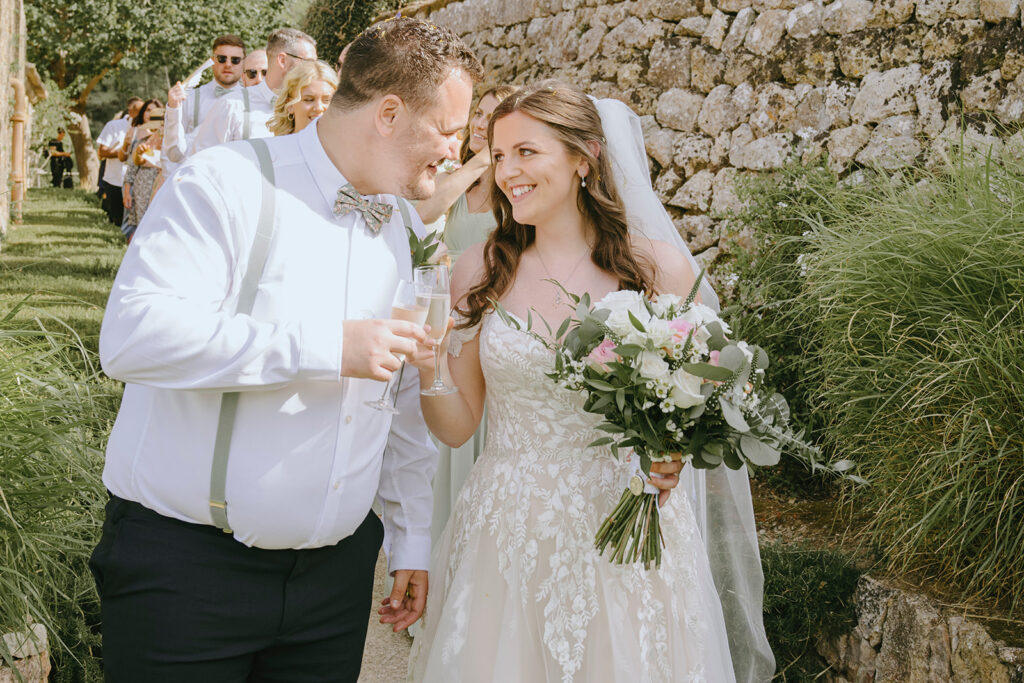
<point x="519" y="594"/>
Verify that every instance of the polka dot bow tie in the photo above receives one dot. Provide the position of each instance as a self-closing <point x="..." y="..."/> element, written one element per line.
<point x="375" y="214"/>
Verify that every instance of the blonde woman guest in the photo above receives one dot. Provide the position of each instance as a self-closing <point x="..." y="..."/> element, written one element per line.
<point x="305" y="95"/>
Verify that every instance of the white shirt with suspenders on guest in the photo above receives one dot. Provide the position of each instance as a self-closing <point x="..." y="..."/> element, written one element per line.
<point x="182" y="122"/>
<point x="238" y="115"/>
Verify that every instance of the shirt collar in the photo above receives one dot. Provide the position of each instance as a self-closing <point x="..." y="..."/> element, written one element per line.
<point x="326" y="175"/>
<point x="263" y="91"/>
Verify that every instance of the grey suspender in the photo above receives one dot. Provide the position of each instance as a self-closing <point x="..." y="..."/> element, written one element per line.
<point x="246" y="298"/>
<point x="246" y="125"/>
<point x="403" y="206"/>
<point x="195" y="108"/>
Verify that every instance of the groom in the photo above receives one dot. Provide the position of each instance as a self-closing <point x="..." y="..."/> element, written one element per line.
<point x="248" y="360"/>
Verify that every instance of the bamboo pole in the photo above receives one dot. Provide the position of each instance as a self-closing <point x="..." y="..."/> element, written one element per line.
<point x="18" y="119"/>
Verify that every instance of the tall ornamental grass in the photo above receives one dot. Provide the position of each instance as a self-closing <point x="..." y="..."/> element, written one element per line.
<point x="905" y="296"/>
<point x="55" y="413"/>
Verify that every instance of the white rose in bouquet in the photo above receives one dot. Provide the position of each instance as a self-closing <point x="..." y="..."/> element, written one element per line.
<point x="664" y="303"/>
<point x="621" y="304"/>
<point x="653" y="366"/>
<point x="684" y="389"/>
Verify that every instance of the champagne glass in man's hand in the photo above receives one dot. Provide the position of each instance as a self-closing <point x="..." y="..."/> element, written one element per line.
<point x="411" y="304"/>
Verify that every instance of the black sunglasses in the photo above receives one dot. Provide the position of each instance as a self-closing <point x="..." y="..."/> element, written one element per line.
<point x="251" y="73"/>
<point x="304" y="59"/>
<point x="223" y="58"/>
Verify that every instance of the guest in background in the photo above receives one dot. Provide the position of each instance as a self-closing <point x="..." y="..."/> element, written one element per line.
<point x="466" y="196"/>
<point x="143" y="165"/>
<point x="60" y="161"/>
<point x="187" y="109"/>
<point x="305" y="95"/>
<point x="245" y="114"/>
<point x="110" y="140"/>
<point x="254" y="68"/>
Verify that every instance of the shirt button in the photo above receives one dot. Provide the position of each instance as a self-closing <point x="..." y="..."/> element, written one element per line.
<point x="337" y="483"/>
<point x="348" y="419"/>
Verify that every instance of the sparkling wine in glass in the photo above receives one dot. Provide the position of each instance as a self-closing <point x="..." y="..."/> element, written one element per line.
<point x="435" y="279"/>
<point x="411" y="303"/>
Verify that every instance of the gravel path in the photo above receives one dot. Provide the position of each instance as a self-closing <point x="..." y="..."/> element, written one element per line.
<point x="386" y="656"/>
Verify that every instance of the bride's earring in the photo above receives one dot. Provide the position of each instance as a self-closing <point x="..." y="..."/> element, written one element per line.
<point x="583" y="181"/>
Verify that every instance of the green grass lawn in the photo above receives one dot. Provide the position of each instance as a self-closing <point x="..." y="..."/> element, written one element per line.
<point x="63" y="258"/>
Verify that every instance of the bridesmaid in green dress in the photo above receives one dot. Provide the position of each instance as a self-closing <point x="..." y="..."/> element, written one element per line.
<point x="465" y="195"/>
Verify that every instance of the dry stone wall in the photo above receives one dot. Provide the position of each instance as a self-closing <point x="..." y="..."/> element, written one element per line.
<point x="735" y="86"/>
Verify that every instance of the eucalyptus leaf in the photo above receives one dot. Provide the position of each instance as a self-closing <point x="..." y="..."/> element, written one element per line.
<point x="758" y="452"/>
<point x="708" y="371"/>
<point x="635" y="322"/>
<point x="733" y="415"/>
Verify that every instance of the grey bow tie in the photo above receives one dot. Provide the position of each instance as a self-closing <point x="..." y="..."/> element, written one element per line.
<point x="375" y="214"/>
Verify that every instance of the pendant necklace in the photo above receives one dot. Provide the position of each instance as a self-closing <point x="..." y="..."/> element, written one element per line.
<point x="558" y="290"/>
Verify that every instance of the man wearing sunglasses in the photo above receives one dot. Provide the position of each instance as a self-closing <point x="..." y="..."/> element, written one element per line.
<point x="254" y="68"/>
<point x="244" y="114"/>
<point x="187" y="109"/>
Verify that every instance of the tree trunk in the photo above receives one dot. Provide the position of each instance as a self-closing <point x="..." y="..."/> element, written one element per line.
<point x="86" y="158"/>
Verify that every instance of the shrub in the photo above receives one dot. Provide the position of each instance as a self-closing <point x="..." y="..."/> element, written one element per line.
<point x="807" y="594"/>
<point x="914" y="294"/>
<point x="56" y="416"/>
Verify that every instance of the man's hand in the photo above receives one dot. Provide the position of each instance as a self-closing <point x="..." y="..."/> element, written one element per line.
<point x="369" y="347"/>
<point x="176" y="95"/>
<point x="407" y="600"/>
<point x="126" y="196"/>
<point x="667" y="476"/>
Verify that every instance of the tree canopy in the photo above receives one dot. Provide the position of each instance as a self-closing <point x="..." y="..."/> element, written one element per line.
<point x="77" y="44"/>
<point x="334" y="23"/>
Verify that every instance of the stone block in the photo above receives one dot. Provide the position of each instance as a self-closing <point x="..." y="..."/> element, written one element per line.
<point x="983" y="92"/>
<point x="590" y="42"/>
<point x="668" y="10"/>
<point x="880" y="49"/>
<point x="667" y="184"/>
<point x="933" y="98"/>
<point x="999" y="10"/>
<point x="669" y="63"/>
<point x="733" y="6"/>
<point x="886" y="93"/>
<point x="766" y="32"/>
<point x="762" y="154"/>
<point x="692" y="153"/>
<point x="824" y="108"/>
<point x="724" y="199"/>
<point x="915" y="643"/>
<point x="766" y="5"/>
<point x="745" y="67"/>
<point x="695" y="194"/>
<point x="930" y="12"/>
<point x="846" y="16"/>
<point x="805" y="21"/>
<point x="774" y="109"/>
<point x="714" y="34"/>
<point x="719" y="155"/>
<point x="738" y="31"/>
<point x="947" y="38"/>
<point x="679" y="109"/>
<point x="725" y="108"/>
<point x="659" y="142"/>
<point x="890" y="13"/>
<point x="843" y="145"/>
<point x="692" y="26"/>
<point x="1010" y="109"/>
<point x="811" y="60"/>
<point x="699" y="232"/>
<point x="706" y="68"/>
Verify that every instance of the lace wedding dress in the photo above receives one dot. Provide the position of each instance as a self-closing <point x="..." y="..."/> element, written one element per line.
<point x="518" y="594"/>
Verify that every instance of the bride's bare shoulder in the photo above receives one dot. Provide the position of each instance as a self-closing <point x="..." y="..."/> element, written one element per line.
<point x="672" y="269"/>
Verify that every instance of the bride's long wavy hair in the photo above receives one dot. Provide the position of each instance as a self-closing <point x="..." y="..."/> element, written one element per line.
<point x="573" y="118"/>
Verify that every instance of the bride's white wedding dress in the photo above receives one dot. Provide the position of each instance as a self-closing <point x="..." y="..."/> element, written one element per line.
<point x="518" y="592"/>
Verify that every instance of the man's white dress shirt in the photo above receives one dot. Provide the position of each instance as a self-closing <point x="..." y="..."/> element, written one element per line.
<point x="181" y="122"/>
<point x="226" y="120"/>
<point x="307" y="455"/>
<point x="112" y="135"/>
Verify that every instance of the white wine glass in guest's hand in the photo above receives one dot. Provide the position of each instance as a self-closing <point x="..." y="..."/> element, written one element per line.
<point x="411" y="303"/>
<point x="435" y="278"/>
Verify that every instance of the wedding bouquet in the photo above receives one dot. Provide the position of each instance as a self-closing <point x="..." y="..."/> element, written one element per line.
<point x="668" y="383"/>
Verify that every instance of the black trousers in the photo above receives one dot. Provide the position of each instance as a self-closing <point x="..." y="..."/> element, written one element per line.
<point x="185" y="602"/>
<point x="114" y="204"/>
<point x="57" y="172"/>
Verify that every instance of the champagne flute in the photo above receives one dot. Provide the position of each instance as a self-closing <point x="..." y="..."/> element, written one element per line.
<point x="411" y="303"/>
<point x="435" y="278"/>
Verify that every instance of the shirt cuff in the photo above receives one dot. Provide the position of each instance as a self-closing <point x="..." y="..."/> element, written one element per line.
<point x="409" y="552"/>
<point x="320" y="347"/>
